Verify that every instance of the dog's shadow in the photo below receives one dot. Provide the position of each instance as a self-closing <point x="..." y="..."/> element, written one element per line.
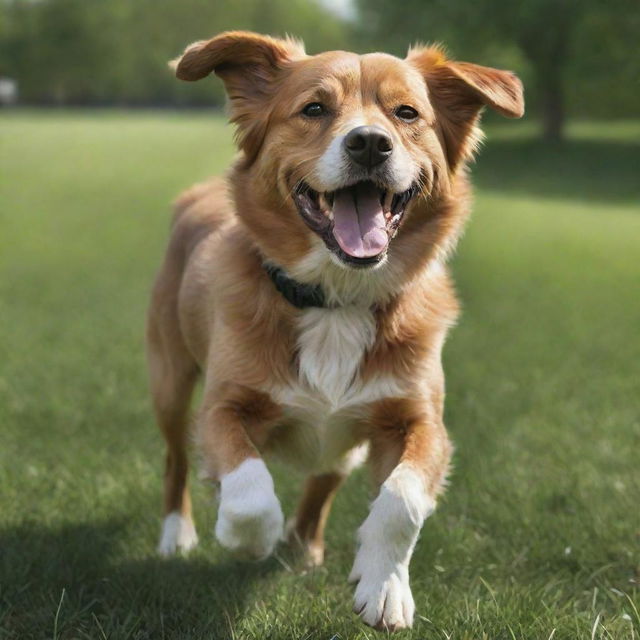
<point x="67" y="579"/>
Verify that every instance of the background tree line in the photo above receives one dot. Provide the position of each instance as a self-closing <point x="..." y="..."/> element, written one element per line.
<point x="577" y="57"/>
<point x="115" y="52"/>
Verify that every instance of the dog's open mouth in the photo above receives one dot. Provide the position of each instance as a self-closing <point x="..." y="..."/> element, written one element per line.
<point x="355" y="222"/>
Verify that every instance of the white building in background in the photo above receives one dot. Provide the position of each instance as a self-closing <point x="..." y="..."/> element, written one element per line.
<point x="8" y="91"/>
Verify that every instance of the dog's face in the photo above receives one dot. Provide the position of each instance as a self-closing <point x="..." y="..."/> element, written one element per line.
<point x="352" y="141"/>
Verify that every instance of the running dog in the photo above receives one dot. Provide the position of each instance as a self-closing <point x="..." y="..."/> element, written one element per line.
<point x="309" y="290"/>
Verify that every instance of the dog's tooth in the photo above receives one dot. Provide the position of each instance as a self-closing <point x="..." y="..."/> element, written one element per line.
<point x="394" y="224"/>
<point x="324" y="206"/>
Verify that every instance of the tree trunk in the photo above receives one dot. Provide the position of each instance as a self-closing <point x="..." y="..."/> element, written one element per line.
<point x="552" y="105"/>
<point x="547" y="52"/>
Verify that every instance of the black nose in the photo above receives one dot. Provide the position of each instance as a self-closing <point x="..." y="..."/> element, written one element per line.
<point x="368" y="146"/>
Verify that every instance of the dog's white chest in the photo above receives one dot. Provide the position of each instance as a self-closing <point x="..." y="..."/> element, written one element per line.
<point x="331" y="345"/>
<point x="329" y="395"/>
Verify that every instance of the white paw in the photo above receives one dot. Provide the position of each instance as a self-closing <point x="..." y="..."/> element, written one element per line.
<point x="178" y="534"/>
<point x="250" y="519"/>
<point x="383" y="597"/>
<point x="387" y="537"/>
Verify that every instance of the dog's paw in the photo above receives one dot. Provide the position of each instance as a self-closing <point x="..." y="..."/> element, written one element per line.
<point x="178" y="535"/>
<point x="250" y="530"/>
<point x="383" y="597"/>
<point x="311" y="552"/>
<point x="387" y="537"/>
<point x="250" y="520"/>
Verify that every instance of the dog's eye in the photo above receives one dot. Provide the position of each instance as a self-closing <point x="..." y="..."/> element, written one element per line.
<point x="406" y="113"/>
<point x="314" y="110"/>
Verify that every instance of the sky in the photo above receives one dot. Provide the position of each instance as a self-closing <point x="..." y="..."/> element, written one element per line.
<point x="343" y="8"/>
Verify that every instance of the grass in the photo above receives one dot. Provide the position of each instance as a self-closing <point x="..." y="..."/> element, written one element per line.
<point x="539" y="534"/>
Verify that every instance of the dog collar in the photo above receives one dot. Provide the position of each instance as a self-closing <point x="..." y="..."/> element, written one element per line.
<point x="298" y="294"/>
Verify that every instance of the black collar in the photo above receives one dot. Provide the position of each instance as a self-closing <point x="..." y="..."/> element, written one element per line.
<point x="298" y="294"/>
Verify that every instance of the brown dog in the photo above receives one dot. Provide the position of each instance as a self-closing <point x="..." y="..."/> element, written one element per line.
<point x="310" y="290"/>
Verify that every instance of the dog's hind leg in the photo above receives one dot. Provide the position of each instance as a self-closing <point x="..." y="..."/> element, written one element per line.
<point x="306" y="528"/>
<point x="172" y="374"/>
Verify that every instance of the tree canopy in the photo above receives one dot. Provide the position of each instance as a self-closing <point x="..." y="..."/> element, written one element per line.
<point x="116" y="51"/>
<point x="575" y="56"/>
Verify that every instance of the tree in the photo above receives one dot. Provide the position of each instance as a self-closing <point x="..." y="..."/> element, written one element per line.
<point x="544" y="32"/>
<point x="116" y="51"/>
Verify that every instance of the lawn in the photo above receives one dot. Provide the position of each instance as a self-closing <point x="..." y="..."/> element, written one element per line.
<point x="538" y="536"/>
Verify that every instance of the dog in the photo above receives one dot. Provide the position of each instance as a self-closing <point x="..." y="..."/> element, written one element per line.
<point x="309" y="290"/>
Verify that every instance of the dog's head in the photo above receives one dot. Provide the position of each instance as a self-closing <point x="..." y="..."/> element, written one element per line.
<point x="348" y="143"/>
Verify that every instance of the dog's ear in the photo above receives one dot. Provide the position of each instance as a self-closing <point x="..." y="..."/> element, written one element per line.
<point x="458" y="91"/>
<point x="248" y="64"/>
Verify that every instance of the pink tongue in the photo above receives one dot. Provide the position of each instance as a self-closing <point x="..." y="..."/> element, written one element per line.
<point x="359" y="225"/>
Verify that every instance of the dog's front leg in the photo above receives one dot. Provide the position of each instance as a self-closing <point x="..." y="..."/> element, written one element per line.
<point x="250" y="520"/>
<point x="410" y="454"/>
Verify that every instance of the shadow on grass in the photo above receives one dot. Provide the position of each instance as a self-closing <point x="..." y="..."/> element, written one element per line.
<point x="104" y="597"/>
<point x="592" y="170"/>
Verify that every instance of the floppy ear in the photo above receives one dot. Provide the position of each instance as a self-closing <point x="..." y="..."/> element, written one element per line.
<point x="248" y="64"/>
<point x="458" y="91"/>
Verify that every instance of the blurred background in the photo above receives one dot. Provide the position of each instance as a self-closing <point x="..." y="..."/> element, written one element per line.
<point x="538" y="535"/>
<point x="578" y="58"/>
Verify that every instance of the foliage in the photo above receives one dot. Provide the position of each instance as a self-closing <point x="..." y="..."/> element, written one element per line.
<point x="116" y="52"/>
<point x="573" y="54"/>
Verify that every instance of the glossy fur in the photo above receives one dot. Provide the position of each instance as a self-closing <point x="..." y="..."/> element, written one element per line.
<point x="317" y="387"/>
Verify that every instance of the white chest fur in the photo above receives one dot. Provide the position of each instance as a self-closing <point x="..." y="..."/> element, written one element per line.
<point x="329" y="394"/>
<point x="331" y="345"/>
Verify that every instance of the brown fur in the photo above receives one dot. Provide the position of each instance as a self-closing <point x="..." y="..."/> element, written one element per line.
<point x="214" y="309"/>
<point x="311" y="516"/>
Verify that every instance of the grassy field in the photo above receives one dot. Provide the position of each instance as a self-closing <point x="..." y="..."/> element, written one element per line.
<point x="539" y="534"/>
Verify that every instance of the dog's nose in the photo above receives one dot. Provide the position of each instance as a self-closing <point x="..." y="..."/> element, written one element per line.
<point x="368" y="146"/>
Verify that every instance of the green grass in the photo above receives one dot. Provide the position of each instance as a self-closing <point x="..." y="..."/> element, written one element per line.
<point x="539" y="533"/>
